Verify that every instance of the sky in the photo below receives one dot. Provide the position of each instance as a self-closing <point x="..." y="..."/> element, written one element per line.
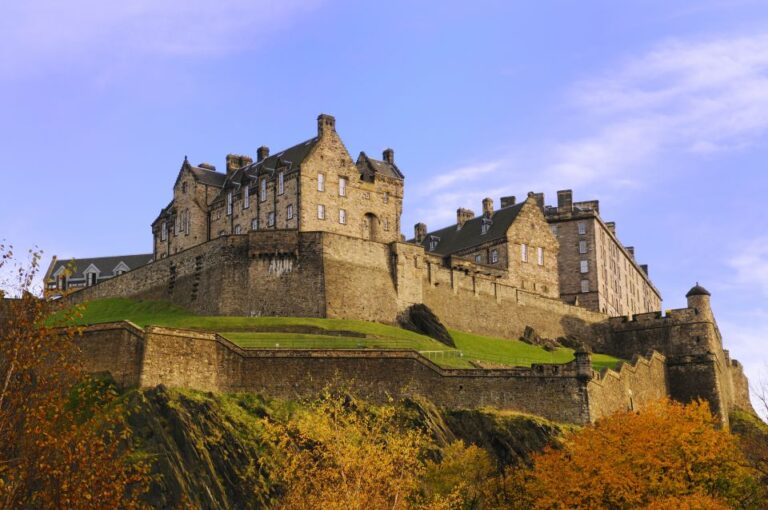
<point x="659" y="109"/>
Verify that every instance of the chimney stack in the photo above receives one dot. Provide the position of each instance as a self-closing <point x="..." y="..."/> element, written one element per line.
<point x="644" y="267"/>
<point x="462" y="215"/>
<point x="325" y="124"/>
<point x="631" y="250"/>
<point x="611" y="225"/>
<point x="236" y="161"/>
<point x="538" y="198"/>
<point x="389" y="156"/>
<point x="507" y="202"/>
<point x="487" y="207"/>
<point x="420" y="232"/>
<point x="564" y="200"/>
<point x="262" y="153"/>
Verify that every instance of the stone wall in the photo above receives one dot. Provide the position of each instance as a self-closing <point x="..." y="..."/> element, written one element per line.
<point x="209" y="362"/>
<point x="631" y="387"/>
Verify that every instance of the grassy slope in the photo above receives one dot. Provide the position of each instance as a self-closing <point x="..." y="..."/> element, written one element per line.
<point x="270" y="332"/>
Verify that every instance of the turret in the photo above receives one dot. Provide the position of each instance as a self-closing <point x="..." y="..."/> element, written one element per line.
<point x="698" y="298"/>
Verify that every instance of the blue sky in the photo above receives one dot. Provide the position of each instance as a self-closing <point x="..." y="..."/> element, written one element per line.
<point x="659" y="109"/>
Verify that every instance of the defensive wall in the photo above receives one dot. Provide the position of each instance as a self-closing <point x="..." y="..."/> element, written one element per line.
<point x="570" y="392"/>
<point x="317" y="274"/>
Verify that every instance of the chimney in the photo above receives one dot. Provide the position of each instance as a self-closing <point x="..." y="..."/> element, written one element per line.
<point x="644" y="267"/>
<point x="487" y="207"/>
<point x="262" y="153"/>
<point x="420" y="232"/>
<point x="631" y="250"/>
<point x="507" y="202"/>
<point x="538" y="198"/>
<point x="325" y="124"/>
<point x="236" y="161"/>
<point x="462" y="215"/>
<point x="389" y="156"/>
<point x="208" y="166"/>
<point x="564" y="200"/>
<point x="611" y="226"/>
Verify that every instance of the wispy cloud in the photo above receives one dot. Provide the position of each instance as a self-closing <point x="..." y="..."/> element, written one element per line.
<point x="40" y="34"/>
<point x="681" y="98"/>
<point x="750" y="266"/>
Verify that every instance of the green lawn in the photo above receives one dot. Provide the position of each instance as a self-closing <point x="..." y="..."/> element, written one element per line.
<point x="308" y="333"/>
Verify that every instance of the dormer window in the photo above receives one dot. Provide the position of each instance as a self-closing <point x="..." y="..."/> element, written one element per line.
<point x="486" y="225"/>
<point x="63" y="282"/>
<point x="433" y="242"/>
<point x="90" y="279"/>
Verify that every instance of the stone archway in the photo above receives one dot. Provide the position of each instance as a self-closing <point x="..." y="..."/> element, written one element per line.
<point x="371" y="227"/>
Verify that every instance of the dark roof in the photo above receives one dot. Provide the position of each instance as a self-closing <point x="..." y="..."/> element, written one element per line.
<point x="208" y="177"/>
<point x="452" y="240"/>
<point x="105" y="264"/>
<point x="698" y="290"/>
<point x="369" y="167"/>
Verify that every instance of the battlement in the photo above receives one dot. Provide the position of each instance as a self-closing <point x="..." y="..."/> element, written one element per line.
<point x="650" y="319"/>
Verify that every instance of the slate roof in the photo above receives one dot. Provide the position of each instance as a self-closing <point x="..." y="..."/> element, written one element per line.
<point x="369" y="166"/>
<point x="105" y="264"/>
<point x="453" y="240"/>
<point x="209" y="177"/>
<point x="698" y="290"/>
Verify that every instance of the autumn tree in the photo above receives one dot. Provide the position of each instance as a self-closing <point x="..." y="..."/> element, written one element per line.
<point x="62" y="436"/>
<point x="667" y="452"/>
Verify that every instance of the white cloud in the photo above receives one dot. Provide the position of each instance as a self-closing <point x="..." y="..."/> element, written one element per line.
<point x="696" y="98"/>
<point x="750" y="265"/>
<point x="40" y="34"/>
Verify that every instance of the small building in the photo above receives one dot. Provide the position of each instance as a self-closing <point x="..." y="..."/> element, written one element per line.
<point x="68" y="274"/>
<point x="514" y="238"/>
<point x="597" y="271"/>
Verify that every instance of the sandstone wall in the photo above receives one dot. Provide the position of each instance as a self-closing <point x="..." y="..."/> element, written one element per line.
<point x="632" y="387"/>
<point x="117" y="348"/>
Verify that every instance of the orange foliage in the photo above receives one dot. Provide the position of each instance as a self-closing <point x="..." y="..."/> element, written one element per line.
<point x="61" y="439"/>
<point x="668" y="452"/>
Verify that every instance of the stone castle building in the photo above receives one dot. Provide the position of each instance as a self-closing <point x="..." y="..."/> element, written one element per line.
<point x="310" y="232"/>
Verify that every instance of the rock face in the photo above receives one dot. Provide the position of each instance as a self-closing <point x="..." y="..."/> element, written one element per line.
<point x="207" y="450"/>
<point x="420" y="318"/>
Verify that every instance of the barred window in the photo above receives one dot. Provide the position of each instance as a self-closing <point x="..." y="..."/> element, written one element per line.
<point x="246" y="197"/>
<point x="524" y="252"/>
<point x="342" y="186"/>
<point x="320" y="182"/>
<point x="494" y="256"/>
<point x="271" y="219"/>
<point x="263" y="190"/>
<point x="280" y="183"/>
<point x="342" y="216"/>
<point x="320" y="212"/>
<point x="229" y="203"/>
<point x="584" y="267"/>
<point x="289" y="211"/>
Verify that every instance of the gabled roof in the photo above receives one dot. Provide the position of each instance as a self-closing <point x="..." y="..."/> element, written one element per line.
<point x="452" y="240"/>
<point x="105" y="265"/>
<point x="369" y="167"/>
<point x="208" y="177"/>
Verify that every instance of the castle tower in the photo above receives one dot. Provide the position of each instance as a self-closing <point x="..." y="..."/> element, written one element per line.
<point x="698" y="298"/>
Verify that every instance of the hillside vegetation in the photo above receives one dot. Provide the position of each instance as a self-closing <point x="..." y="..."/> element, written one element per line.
<point x="313" y="333"/>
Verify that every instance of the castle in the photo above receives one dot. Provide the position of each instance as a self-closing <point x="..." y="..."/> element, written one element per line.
<point x="309" y="232"/>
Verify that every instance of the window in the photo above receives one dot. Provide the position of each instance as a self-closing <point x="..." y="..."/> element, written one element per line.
<point x="524" y="252"/>
<point x="229" y="204"/>
<point x="433" y="242"/>
<point x="582" y="228"/>
<point x="478" y="258"/>
<point x="582" y="246"/>
<point x="237" y="229"/>
<point x="246" y="197"/>
<point x="320" y="182"/>
<point x="553" y="228"/>
<point x="263" y="190"/>
<point x="119" y="272"/>
<point x="494" y="256"/>
<point x="320" y="212"/>
<point x="280" y="183"/>
<point x="271" y="219"/>
<point x="255" y="224"/>
<point x="63" y="282"/>
<point x="584" y="285"/>
<point x="342" y="216"/>
<point x="386" y="224"/>
<point x="186" y="222"/>
<point x="485" y="226"/>
<point x="289" y="211"/>
<point x="540" y="255"/>
<point x="584" y="266"/>
<point x="386" y="197"/>
<point x="164" y="231"/>
<point x="342" y="186"/>
<point x="90" y="279"/>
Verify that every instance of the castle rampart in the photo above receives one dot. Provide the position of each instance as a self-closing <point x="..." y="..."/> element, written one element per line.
<point x="571" y="392"/>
